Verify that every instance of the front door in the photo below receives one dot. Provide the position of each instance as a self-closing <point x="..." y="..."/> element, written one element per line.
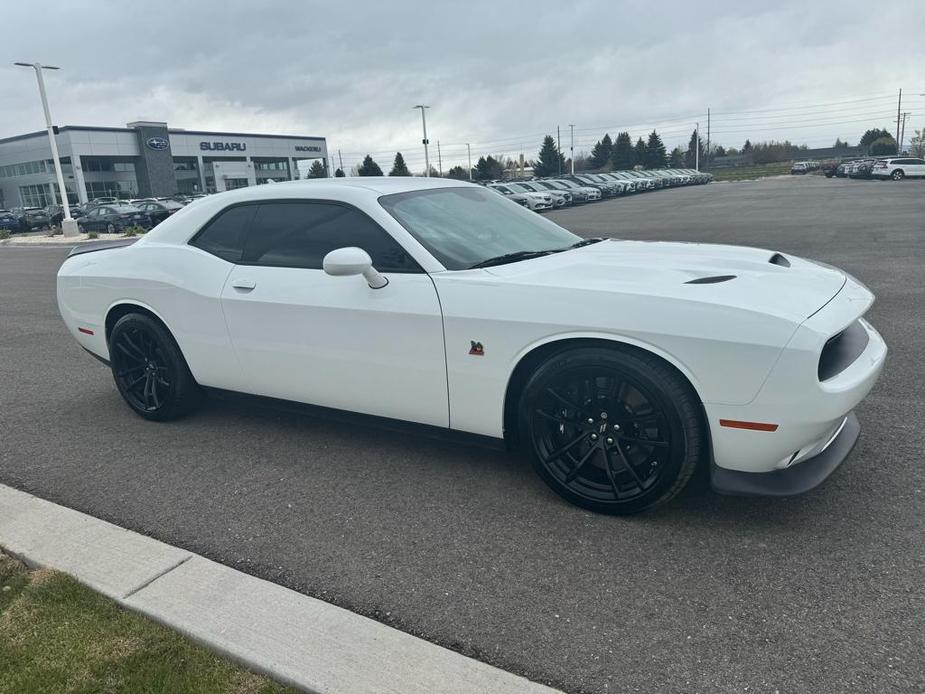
<point x="306" y="336"/>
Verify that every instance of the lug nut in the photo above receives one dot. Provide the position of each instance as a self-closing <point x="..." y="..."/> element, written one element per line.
<point x="590" y="420"/>
<point x="609" y="441"/>
<point x="594" y="437"/>
<point x="616" y="427"/>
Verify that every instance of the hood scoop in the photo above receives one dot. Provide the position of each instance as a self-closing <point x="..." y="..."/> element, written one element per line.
<point x="715" y="279"/>
<point x="778" y="259"/>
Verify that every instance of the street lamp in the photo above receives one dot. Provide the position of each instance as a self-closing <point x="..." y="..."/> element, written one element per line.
<point x="425" y="140"/>
<point x="68" y="225"/>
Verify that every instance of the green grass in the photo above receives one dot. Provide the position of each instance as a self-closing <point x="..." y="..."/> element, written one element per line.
<point x="58" y="636"/>
<point x="742" y="173"/>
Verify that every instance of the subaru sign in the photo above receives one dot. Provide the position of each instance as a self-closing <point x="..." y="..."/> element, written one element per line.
<point x="223" y="146"/>
<point x="157" y="143"/>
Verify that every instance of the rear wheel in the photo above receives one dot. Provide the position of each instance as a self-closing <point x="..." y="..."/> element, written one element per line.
<point x="149" y="369"/>
<point x="897" y="175"/>
<point x="110" y="228"/>
<point x="612" y="431"/>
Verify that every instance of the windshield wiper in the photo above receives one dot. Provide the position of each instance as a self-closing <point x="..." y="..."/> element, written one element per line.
<point x="584" y="242"/>
<point x="510" y="258"/>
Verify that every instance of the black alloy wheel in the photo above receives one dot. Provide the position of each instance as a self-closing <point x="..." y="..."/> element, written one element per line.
<point x="612" y="431"/>
<point x="149" y="369"/>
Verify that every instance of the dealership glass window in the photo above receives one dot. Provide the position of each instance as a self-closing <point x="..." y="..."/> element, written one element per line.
<point x="271" y="165"/>
<point x="26" y="168"/>
<point x="35" y="195"/>
<point x="106" y="189"/>
<point x="300" y="234"/>
<point x="185" y="164"/>
<point x="100" y="164"/>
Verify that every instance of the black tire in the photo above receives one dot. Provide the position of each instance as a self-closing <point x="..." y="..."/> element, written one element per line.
<point x="898" y="175"/>
<point x="149" y="369"/>
<point x="612" y="431"/>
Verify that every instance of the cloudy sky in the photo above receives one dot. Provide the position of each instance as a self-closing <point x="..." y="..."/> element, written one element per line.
<point x="497" y="75"/>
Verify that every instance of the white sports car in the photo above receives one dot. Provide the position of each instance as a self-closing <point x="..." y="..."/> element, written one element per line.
<point x="618" y="366"/>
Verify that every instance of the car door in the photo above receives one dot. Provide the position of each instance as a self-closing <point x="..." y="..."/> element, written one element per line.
<point x="303" y="335"/>
<point x="916" y="167"/>
<point x="92" y="222"/>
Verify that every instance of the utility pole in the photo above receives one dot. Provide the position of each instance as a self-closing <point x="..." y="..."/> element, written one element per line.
<point x="559" y="149"/>
<point x="68" y="224"/>
<point x="708" y="138"/>
<point x="469" y="153"/>
<point x="899" y="107"/>
<point x="425" y="140"/>
<point x="571" y="127"/>
<point x="439" y="160"/>
<point x="341" y="160"/>
<point x="902" y="133"/>
<point x="697" y="150"/>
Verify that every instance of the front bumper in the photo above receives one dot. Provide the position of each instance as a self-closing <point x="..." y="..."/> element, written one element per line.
<point x="794" y="480"/>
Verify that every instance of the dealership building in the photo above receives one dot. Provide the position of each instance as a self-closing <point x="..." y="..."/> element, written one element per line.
<point x="146" y="159"/>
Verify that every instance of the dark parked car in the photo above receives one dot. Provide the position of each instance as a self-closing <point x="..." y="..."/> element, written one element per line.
<point x="33" y="218"/>
<point x="113" y="218"/>
<point x="10" y="222"/>
<point x="56" y="213"/>
<point x="159" y="211"/>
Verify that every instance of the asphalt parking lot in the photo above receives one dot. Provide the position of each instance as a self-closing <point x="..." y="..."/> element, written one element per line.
<point x="465" y="546"/>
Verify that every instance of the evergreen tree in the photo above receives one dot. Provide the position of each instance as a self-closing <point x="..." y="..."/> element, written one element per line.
<point x="622" y="156"/>
<point x="601" y="153"/>
<point x="690" y="157"/>
<point x="719" y="151"/>
<point x="399" y="168"/>
<point x="459" y="173"/>
<point x="677" y="158"/>
<point x="339" y="173"/>
<point x="747" y="147"/>
<point x="369" y="168"/>
<point x="882" y="146"/>
<point x="873" y="134"/>
<point x="639" y="153"/>
<point x="656" y="156"/>
<point x="487" y="169"/>
<point x="317" y="170"/>
<point x="551" y="162"/>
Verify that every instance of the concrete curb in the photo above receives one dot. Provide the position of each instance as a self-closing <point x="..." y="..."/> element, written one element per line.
<point x="291" y="637"/>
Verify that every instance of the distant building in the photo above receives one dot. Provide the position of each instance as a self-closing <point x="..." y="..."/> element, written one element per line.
<point x="145" y="159"/>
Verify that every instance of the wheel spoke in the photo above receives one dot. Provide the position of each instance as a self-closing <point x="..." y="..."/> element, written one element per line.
<point x="558" y="419"/>
<point x="573" y="473"/>
<point x="629" y="466"/>
<point x="129" y="370"/>
<point x="138" y="350"/>
<point x="129" y="353"/>
<point x="643" y="442"/>
<point x="613" y="478"/>
<point x="559" y="451"/>
<point x="563" y="400"/>
<point x="157" y="402"/>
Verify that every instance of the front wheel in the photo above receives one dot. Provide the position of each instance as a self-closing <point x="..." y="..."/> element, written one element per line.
<point x="149" y="369"/>
<point x="612" y="431"/>
<point x="897" y="175"/>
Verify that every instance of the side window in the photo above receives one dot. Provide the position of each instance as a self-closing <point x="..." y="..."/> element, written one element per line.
<point x="300" y="234"/>
<point x="224" y="235"/>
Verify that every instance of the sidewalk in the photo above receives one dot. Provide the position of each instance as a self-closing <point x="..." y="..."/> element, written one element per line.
<point x="295" y="639"/>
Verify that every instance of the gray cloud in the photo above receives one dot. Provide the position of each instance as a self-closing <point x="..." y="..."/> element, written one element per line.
<point x="498" y="75"/>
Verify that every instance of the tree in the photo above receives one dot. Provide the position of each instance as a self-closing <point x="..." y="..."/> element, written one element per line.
<point x="369" y="168"/>
<point x="917" y="144"/>
<point x="868" y="137"/>
<point x="622" y="157"/>
<point x="839" y="144"/>
<point x="747" y="147"/>
<point x="676" y="160"/>
<point x="690" y="156"/>
<point x="639" y="153"/>
<point x="339" y="173"/>
<point x="882" y="145"/>
<point x="399" y="168"/>
<point x="316" y="170"/>
<point x="487" y="169"/>
<point x="601" y="153"/>
<point x="656" y="156"/>
<point x="459" y="173"/>
<point x="719" y="151"/>
<point x="550" y="162"/>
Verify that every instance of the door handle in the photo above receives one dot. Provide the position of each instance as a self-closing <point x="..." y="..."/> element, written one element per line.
<point x="243" y="284"/>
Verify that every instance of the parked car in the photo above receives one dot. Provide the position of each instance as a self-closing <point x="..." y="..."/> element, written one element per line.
<point x="159" y="211"/>
<point x="593" y="193"/>
<point x="113" y="218"/>
<point x="32" y="218"/>
<point x="862" y="168"/>
<point x="899" y="168"/>
<point x="578" y="194"/>
<point x="560" y="198"/>
<point x="534" y="201"/>
<point x="56" y="213"/>
<point x="105" y="200"/>
<point x="10" y="222"/>
<point x="608" y="189"/>
<point x="619" y="367"/>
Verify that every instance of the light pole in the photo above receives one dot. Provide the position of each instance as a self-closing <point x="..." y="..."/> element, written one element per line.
<point x="572" y="147"/>
<point x="469" y="153"/>
<point x="425" y="141"/>
<point x="697" y="151"/>
<point x="68" y="225"/>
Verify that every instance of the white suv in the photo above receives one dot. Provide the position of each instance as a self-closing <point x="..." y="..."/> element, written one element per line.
<point x="898" y="168"/>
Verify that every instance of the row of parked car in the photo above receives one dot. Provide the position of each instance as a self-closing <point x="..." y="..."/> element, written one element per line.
<point x="569" y="189"/>
<point x="107" y="214"/>
<point x="894" y="168"/>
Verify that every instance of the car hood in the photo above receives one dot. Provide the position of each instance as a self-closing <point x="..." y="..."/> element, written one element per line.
<point x="751" y="279"/>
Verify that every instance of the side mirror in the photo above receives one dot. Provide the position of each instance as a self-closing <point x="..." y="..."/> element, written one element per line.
<point x="343" y="262"/>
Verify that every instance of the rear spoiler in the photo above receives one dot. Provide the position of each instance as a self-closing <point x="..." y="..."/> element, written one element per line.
<point x="100" y="246"/>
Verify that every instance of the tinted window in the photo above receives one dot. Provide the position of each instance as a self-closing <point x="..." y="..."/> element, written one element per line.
<point x="300" y="234"/>
<point x="224" y="235"/>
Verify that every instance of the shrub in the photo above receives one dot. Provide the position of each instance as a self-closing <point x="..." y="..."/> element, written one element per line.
<point x="93" y="235"/>
<point x="4" y="234"/>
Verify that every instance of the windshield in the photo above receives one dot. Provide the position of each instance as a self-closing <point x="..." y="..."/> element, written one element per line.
<point x="464" y="226"/>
